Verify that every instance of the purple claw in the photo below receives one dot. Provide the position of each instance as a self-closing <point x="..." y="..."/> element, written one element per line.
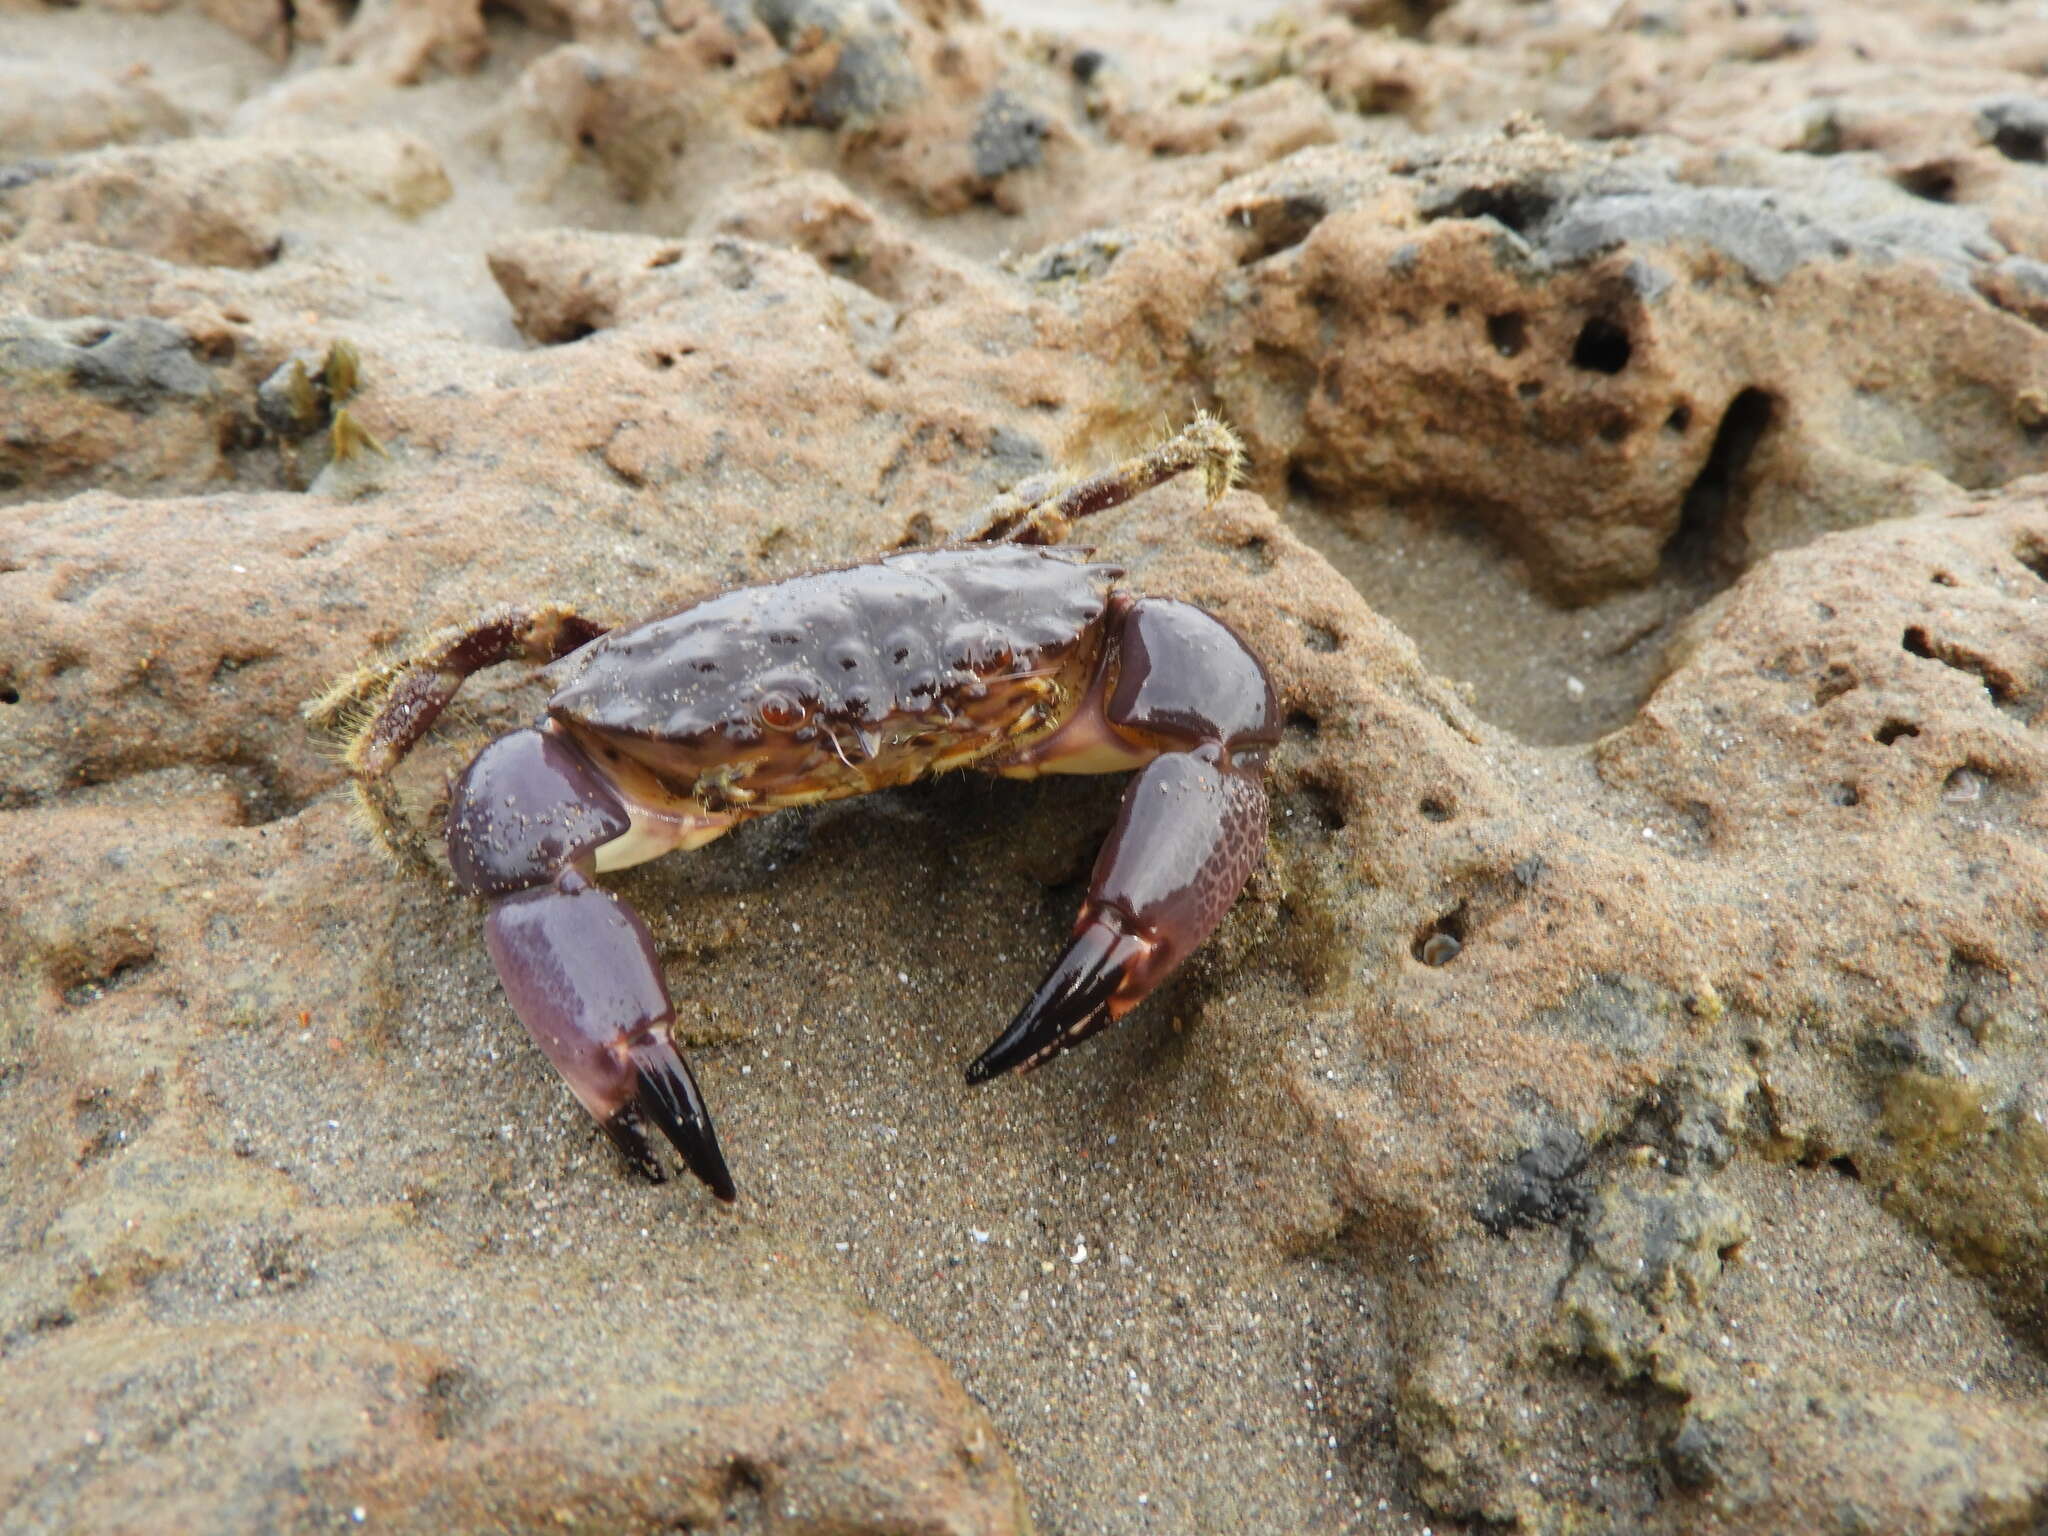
<point x="1188" y="837"/>
<point x="580" y="971"/>
<point x="666" y="1094"/>
<point x="1077" y="997"/>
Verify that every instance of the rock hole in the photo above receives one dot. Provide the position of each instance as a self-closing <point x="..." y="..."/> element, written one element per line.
<point x="1325" y="805"/>
<point x="1529" y="389"/>
<point x="1301" y="485"/>
<point x="1602" y="347"/>
<point x="106" y="1124"/>
<point x="1302" y="723"/>
<point x="1440" y="942"/>
<point x="1944" y="579"/>
<point x="1275" y="225"/>
<point x="1435" y="809"/>
<point x="1452" y="311"/>
<point x="1709" y="533"/>
<point x="279" y="1263"/>
<point x="85" y="979"/>
<point x="1087" y="64"/>
<point x="1679" y="421"/>
<point x="1519" y="209"/>
<point x="1615" y="431"/>
<point x="918" y="531"/>
<point x="744" y="1477"/>
<point x="1892" y="730"/>
<point x="2020" y="140"/>
<point x="225" y="669"/>
<point x="1845" y="1165"/>
<point x="2033" y="554"/>
<point x="452" y="1397"/>
<point x="1318" y="637"/>
<point x="9" y="694"/>
<point x="1835" y="682"/>
<point x="1966" y="785"/>
<point x="1509" y="333"/>
<point x="1254" y="554"/>
<point x="239" y="435"/>
<point x="1934" y="180"/>
<point x="2004" y="688"/>
<point x="1844" y="794"/>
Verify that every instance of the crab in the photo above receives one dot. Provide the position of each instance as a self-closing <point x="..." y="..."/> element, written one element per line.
<point x="997" y="652"/>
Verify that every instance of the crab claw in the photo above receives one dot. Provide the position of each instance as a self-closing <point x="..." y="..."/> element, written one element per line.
<point x="1077" y="997"/>
<point x="1188" y="836"/>
<point x="580" y="971"/>
<point x="666" y="1094"/>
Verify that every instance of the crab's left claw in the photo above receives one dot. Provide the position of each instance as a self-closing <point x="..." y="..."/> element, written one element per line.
<point x="1077" y="997"/>
<point x="1191" y="831"/>
<point x="1192" y="827"/>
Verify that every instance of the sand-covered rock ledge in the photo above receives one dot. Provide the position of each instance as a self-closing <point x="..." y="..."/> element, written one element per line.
<point x="1646" y="527"/>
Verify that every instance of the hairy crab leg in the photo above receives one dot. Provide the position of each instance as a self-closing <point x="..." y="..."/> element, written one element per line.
<point x="1039" y="513"/>
<point x="1189" y="834"/>
<point x="386" y="708"/>
<point x="525" y="828"/>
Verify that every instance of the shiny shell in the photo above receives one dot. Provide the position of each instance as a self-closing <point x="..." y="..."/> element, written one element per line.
<point x="884" y="670"/>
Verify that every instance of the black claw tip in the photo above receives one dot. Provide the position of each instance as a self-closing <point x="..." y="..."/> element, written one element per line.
<point x="979" y="1071"/>
<point x="1070" y="1004"/>
<point x="668" y="1097"/>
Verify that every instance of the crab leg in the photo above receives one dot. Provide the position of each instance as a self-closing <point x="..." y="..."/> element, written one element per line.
<point x="1042" y="513"/>
<point x="387" y="708"/>
<point x="1190" y="832"/>
<point x="524" y="827"/>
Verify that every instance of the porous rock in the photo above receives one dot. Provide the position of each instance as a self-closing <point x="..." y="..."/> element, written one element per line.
<point x="1696" y="1185"/>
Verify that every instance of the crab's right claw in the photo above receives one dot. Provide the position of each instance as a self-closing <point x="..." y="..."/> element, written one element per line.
<point x="1190" y="833"/>
<point x="580" y="971"/>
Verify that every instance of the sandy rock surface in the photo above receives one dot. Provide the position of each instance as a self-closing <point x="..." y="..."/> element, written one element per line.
<point x="1619" y="1102"/>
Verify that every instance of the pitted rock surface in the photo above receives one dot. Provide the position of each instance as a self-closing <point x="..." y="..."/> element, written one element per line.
<point x="1617" y="1103"/>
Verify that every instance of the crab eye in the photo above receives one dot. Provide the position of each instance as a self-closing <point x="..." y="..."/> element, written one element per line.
<point x="782" y="712"/>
